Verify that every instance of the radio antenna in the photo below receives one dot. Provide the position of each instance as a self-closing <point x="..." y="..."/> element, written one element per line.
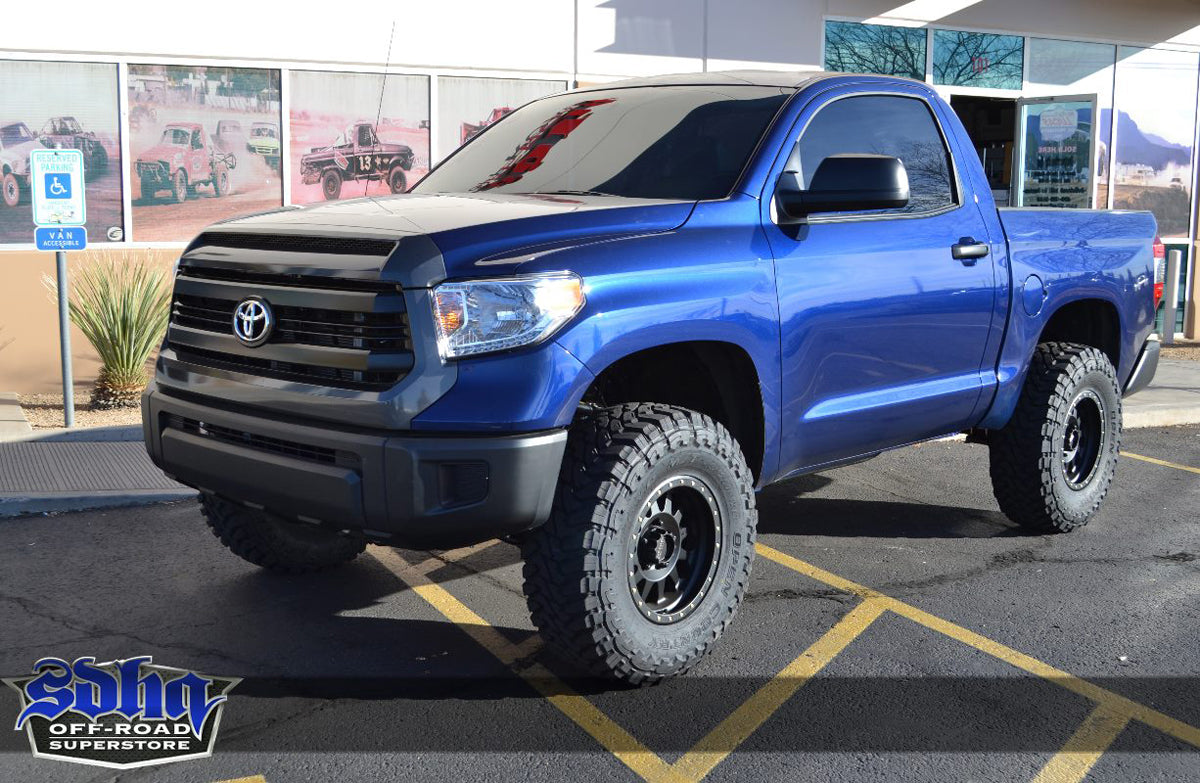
<point x="387" y="65"/>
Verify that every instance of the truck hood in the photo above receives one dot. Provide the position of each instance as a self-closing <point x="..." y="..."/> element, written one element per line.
<point x="471" y="234"/>
<point x="161" y="152"/>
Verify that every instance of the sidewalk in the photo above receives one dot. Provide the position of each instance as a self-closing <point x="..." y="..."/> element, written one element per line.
<point x="72" y="470"/>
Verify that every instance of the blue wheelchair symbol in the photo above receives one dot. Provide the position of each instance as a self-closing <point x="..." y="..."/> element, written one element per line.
<point x="58" y="186"/>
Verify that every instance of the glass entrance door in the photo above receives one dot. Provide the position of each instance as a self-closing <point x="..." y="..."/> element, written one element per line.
<point x="1056" y="152"/>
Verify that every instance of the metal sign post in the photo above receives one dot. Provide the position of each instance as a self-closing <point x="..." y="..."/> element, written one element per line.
<point x="1171" y="295"/>
<point x="59" y="214"/>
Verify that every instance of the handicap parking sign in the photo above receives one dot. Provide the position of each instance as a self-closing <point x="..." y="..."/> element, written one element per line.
<point x="57" y="185"/>
<point x="58" y="189"/>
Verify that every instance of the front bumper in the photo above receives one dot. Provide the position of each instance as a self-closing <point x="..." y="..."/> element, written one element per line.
<point x="425" y="491"/>
<point x="1144" y="368"/>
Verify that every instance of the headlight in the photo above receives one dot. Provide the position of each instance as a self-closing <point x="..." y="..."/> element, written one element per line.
<point x="481" y="316"/>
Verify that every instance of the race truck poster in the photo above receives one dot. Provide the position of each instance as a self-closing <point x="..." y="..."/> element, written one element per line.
<point x="355" y="134"/>
<point x="194" y="156"/>
<point x="65" y="106"/>
<point x="467" y="105"/>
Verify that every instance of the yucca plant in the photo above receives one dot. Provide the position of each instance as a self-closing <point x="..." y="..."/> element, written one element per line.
<point x="121" y="301"/>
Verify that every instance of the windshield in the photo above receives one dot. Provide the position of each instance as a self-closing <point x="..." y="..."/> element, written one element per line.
<point x="176" y="136"/>
<point x="677" y="142"/>
<point x="263" y="131"/>
<point x="16" y="133"/>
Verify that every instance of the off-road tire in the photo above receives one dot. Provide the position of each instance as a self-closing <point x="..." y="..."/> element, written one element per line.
<point x="149" y="192"/>
<point x="1026" y="456"/>
<point x="221" y="182"/>
<point x="331" y="184"/>
<point x="99" y="163"/>
<point x="576" y="575"/>
<point x="179" y="187"/>
<point x="10" y="188"/>
<point x="397" y="182"/>
<point x="276" y="544"/>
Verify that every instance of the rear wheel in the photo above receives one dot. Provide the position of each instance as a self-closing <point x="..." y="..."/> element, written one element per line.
<point x="331" y="184"/>
<point x="274" y="543"/>
<point x="1052" y="464"/>
<point x="396" y="180"/>
<point x="99" y="159"/>
<point x="647" y="552"/>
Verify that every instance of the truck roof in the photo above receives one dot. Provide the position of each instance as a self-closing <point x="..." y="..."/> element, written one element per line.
<point x="786" y="79"/>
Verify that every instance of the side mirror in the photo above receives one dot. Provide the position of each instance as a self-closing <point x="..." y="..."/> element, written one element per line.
<point x="845" y="183"/>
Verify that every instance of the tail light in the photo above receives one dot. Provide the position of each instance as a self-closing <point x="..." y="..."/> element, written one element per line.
<point x="1160" y="269"/>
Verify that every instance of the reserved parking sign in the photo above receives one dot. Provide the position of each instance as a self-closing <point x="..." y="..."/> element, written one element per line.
<point x="58" y="189"/>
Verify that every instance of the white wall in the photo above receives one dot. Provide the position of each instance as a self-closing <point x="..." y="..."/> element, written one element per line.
<point x="615" y="38"/>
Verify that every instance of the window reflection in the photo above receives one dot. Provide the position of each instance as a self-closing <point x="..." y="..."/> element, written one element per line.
<point x="978" y="59"/>
<point x="875" y="48"/>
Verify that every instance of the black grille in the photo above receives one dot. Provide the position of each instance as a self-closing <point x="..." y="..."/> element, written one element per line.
<point x="382" y="332"/>
<point x="363" y="380"/>
<point x="351" y="334"/>
<point x="291" y="243"/>
<point x="303" y="451"/>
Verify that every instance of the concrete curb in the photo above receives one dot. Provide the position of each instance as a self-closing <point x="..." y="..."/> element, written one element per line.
<point x="18" y="505"/>
<point x="123" y="434"/>
<point x="1161" y="417"/>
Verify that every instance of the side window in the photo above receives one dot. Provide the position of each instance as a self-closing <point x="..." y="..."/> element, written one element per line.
<point x="883" y="125"/>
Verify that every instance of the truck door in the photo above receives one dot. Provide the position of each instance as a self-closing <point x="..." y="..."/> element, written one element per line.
<point x="882" y="328"/>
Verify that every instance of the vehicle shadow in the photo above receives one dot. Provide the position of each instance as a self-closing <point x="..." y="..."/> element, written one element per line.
<point x="787" y="509"/>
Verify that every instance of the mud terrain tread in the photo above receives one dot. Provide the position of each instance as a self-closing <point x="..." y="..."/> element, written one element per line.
<point x="1022" y="454"/>
<point x="276" y="545"/>
<point x="606" y="450"/>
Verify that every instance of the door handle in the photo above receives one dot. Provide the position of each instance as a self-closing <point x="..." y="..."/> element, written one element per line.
<point x="968" y="250"/>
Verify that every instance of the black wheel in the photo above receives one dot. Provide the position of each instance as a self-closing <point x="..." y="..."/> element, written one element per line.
<point x="396" y="180"/>
<point x="1053" y="462"/>
<point x="99" y="159"/>
<point x="179" y="187"/>
<point x="148" y="190"/>
<point x="648" y="549"/>
<point x="276" y="544"/>
<point x="331" y="184"/>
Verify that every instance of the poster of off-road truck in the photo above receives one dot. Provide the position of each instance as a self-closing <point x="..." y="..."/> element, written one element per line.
<point x="357" y="154"/>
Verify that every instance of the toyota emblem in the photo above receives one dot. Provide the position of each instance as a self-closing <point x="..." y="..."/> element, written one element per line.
<point x="253" y="321"/>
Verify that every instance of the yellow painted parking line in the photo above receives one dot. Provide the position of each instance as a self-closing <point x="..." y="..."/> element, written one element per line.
<point x="251" y="779"/>
<point x="640" y="759"/>
<point x="1085" y="747"/>
<point x="1162" y="462"/>
<point x="1111" y="701"/>
<point x="746" y="719"/>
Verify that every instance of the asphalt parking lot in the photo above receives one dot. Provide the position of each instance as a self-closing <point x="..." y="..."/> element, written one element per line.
<point x="897" y="628"/>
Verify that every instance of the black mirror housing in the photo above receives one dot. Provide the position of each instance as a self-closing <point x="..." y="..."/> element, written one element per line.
<point x="845" y="183"/>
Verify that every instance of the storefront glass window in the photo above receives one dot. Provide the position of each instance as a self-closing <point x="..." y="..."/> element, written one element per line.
<point x="875" y="48"/>
<point x="1065" y="68"/>
<point x="978" y="59"/>
<point x="1155" y="128"/>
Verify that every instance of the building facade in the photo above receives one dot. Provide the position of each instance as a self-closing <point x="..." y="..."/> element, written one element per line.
<point x="1071" y="104"/>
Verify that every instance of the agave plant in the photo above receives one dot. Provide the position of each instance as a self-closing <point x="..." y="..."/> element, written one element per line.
<point x="121" y="301"/>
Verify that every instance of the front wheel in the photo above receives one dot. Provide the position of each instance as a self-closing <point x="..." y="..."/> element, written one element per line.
<point x="331" y="184"/>
<point x="11" y="189"/>
<point x="648" y="549"/>
<point x="276" y="544"/>
<point x="1052" y="464"/>
<point x="221" y="181"/>
<point x="179" y="187"/>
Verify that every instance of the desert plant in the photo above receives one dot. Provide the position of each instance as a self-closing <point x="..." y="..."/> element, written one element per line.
<point x="121" y="301"/>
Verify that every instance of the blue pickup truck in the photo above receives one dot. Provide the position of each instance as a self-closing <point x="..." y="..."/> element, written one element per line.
<point x="606" y="322"/>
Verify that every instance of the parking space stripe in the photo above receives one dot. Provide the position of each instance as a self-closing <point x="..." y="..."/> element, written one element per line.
<point x="640" y="759"/>
<point x="1113" y="702"/>
<point x="251" y="779"/>
<point x="746" y="719"/>
<point x="1162" y="462"/>
<point x="1084" y="748"/>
